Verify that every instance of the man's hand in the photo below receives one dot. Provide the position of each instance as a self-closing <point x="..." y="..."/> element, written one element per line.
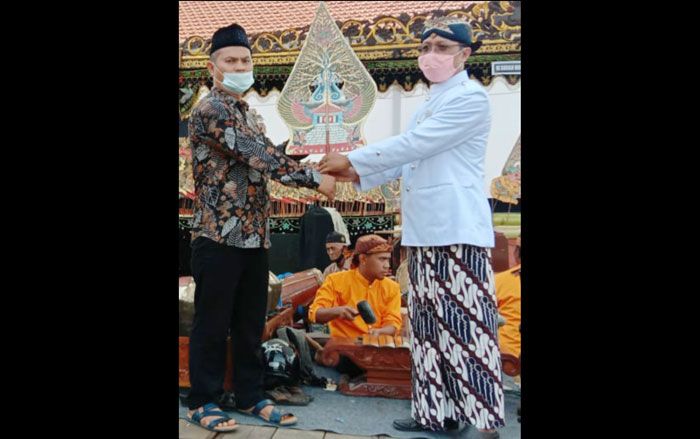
<point x="334" y="162"/>
<point x="327" y="186"/>
<point x="347" y="175"/>
<point x="346" y="312"/>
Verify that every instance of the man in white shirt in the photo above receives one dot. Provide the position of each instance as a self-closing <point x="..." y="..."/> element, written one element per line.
<point x="447" y="228"/>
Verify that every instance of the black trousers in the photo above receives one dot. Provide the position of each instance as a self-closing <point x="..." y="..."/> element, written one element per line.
<point x="231" y="295"/>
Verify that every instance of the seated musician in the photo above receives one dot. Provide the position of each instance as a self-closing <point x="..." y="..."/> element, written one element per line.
<point x="336" y="300"/>
<point x="508" y="297"/>
<point x="336" y="246"/>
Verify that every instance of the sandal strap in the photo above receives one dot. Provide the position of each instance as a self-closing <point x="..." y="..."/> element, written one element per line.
<point x="210" y="406"/>
<point x="206" y="413"/>
<point x="210" y="410"/>
<point x="276" y="415"/>
<point x="261" y="405"/>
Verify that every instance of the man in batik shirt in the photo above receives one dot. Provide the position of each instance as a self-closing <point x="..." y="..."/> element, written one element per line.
<point x="233" y="161"/>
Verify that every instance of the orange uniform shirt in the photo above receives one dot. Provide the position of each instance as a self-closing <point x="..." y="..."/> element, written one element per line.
<point x="349" y="288"/>
<point x="508" y="296"/>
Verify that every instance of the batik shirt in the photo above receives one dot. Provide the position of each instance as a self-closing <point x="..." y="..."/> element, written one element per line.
<point x="232" y="162"/>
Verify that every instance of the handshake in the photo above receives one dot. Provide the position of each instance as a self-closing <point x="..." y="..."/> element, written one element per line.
<point x="334" y="167"/>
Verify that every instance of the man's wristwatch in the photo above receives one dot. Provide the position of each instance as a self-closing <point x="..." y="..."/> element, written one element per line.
<point x="316" y="176"/>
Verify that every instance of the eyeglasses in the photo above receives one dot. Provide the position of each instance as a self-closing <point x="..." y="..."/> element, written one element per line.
<point x="437" y="48"/>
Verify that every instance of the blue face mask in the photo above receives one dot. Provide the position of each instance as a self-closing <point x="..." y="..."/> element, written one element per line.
<point x="237" y="82"/>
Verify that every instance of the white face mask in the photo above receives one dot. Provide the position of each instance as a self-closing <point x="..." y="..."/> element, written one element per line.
<point x="237" y="82"/>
